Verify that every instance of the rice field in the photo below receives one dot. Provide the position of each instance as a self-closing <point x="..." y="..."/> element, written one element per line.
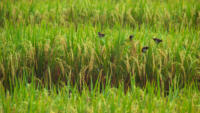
<point x="99" y="56"/>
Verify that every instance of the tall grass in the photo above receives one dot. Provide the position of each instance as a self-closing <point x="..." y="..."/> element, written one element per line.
<point x="57" y="41"/>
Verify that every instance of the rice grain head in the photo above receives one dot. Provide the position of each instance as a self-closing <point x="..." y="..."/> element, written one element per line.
<point x="61" y="66"/>
<point x="91" y="60"/>
<point x="49" y="71"/>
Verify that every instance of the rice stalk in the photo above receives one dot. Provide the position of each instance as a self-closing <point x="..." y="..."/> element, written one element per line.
<point x="12" y="68"/>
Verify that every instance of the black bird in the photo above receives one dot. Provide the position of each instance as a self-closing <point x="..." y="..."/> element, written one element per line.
<point x="130" y="38"/>
<point x="157" y="40"/>
<point x="101" y="35"/>
<point x="144" y="49"/>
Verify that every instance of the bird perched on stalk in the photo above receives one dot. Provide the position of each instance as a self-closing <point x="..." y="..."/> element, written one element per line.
<point x="157" y="40"/>
<point x="101" y="35"/>
<point x="144" y="49"/>
<point x="131" y="37"/>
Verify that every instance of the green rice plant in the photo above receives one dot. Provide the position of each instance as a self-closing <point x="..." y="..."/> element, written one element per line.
<point x="58" y="42"/>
